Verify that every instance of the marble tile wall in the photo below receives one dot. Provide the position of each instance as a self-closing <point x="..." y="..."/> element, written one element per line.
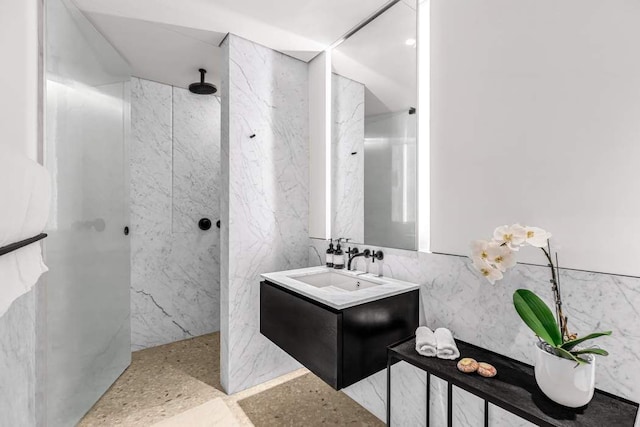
<point x="454" y="296"/>
<point x="347" y="158"/>
<point x="408" y="394"/>
<point x="18" y="363"/>
<point x="225" y="309"/>
<point x="174" y="182"/>
<point x="264" y="199"/>
<point x="196" y="160"/>
<point x="438" y="403"/>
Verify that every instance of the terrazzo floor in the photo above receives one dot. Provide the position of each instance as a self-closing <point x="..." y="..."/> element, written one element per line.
<point x="178" y="385"/>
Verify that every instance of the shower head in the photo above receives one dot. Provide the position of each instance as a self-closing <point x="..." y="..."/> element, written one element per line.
<point x="201" y="87"/>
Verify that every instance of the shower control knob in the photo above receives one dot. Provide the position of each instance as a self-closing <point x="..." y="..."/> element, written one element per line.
<point x="126" y="230"/>
<point x="204" y="224"/>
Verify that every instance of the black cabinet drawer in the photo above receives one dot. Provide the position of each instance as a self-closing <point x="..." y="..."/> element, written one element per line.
<point x="368" y="329"/>
<point x="308" y="332"/>
<point x="341" y="347"/>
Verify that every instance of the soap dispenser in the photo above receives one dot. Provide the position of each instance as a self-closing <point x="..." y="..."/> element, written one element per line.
<point x="338" y="257"/>
<point x="329" y="255"/>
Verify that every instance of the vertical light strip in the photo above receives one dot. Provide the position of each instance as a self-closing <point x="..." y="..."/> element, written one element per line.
<point x="327" y="130"/>
<point x="405" y="181"/>
<point x="424" y="128"/>
<point x="319" y="178"/>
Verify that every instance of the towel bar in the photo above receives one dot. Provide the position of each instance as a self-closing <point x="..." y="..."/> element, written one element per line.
<point x="15" y="246"/>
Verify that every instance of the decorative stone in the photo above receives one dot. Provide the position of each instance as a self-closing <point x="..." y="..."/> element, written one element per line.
<point x="467" y="365"/>
<point x="486" y="370"/>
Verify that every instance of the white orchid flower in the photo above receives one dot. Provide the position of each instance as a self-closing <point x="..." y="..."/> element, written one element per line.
<point x="512" y="235"/>
<point x="501" y="257"/>
<point x="536" y="236"/>
<point x="479" y="249"/>
<point x="487" y="270"/>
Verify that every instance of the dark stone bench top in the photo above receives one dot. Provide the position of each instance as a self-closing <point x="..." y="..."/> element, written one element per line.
<point x="514" y="389"/>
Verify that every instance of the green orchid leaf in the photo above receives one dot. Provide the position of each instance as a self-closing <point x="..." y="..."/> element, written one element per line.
<point x="570" y="344"/>
<point x="598" y="351"/>
<point x="537" y="316"/>
<point x="565" y="354"/>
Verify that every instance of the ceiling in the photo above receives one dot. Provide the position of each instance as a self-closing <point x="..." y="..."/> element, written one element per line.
<point x="161" y="52"/>
<point x="168" y="40"/>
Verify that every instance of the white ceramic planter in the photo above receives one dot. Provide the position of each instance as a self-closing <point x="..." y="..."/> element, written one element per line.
<point x="562" y="381"/>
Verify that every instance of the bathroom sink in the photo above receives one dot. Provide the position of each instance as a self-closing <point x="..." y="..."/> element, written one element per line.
<point x="337" y="323"/>
<point x="333" y="280"/>
<point x="338" y="289"/>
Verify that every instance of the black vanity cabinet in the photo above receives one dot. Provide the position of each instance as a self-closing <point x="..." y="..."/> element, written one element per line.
<point x="340" y="346"/>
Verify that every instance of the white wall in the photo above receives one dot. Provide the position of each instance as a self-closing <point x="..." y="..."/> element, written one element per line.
<point x="19" y="76"/>
<point x="487" y="91"/>
<point x="535" y="118"/>
<point x="19" y="47"/>
<point x="175" y="169"/>
<point x="19" y="131"/>
<point x="455" y="296"/>
<point x="264" y="199"/>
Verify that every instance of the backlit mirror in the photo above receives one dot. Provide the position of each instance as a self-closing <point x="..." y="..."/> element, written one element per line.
<point x="374" y="129"/>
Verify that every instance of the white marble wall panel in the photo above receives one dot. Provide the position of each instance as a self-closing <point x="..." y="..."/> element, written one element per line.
<point x="150" y="161"/>
<point x="438" y="401"/>
<point x="266" y="199"/>
<point x="454" y="296"/>
<point x="498" y="417"/>
<point x="225" y="309"/>
<point x="317" y="255"/>
<point x="17" y="363"/>
<point x="196" y="148"/>
<point x="371" y="393"/>
<point x="408" y="395"/>
<point x="347" y="158"/>
<point x="174" y="265"/>
<point x="468" y="410"/>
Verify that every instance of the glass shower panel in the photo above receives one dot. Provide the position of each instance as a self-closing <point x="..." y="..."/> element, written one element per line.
<point x="88" y="342"/>
<point x="390" y="180"/>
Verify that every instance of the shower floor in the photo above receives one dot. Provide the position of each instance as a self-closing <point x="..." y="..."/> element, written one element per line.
<point x="178" y="384"/>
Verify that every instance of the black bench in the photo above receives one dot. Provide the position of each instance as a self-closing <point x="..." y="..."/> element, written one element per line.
<point x="513" y="389"/>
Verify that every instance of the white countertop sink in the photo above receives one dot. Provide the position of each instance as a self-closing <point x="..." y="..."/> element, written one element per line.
<point x="338" y="289"/>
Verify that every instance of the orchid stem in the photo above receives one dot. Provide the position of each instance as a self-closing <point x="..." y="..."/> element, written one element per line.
<point x="555" y="280"/>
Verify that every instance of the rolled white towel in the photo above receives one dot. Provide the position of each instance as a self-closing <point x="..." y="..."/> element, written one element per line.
<point x="425" y="341"/>
<point x="447" y="348"/>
